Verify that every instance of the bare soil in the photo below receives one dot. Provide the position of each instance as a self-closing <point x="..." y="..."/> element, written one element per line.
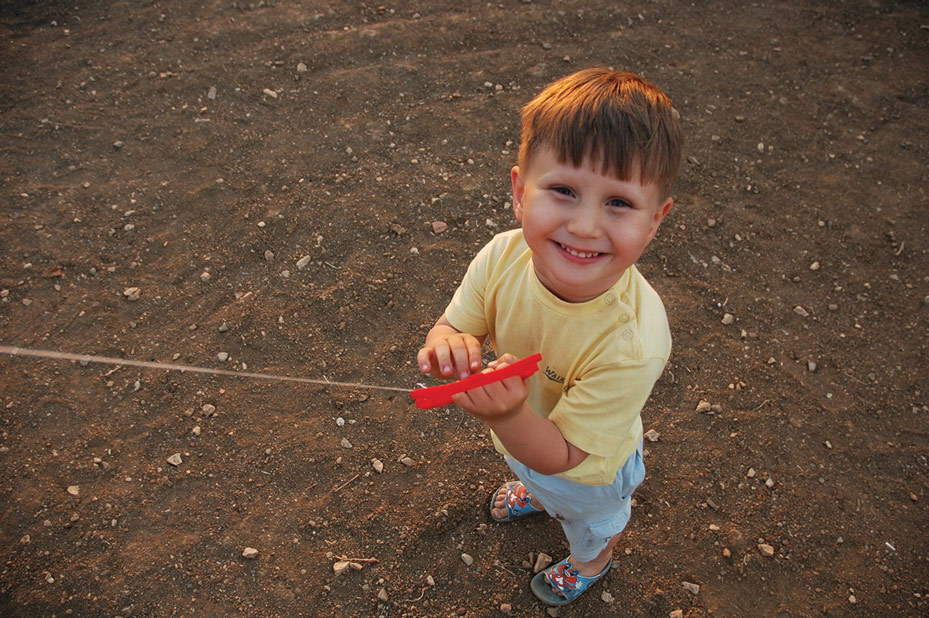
<point x="197" y="151"/>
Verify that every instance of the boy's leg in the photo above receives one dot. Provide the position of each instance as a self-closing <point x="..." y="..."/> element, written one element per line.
<point x="592" y="519"/>
<point x="595" y="566"/>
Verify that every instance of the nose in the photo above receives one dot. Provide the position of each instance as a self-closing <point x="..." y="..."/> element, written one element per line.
<point x="584" y="221"/>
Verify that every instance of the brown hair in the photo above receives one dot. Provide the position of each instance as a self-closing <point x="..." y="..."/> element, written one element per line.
<point x="618" y="119"/>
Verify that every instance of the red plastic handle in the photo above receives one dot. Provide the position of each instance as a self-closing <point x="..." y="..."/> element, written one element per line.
<point x="436" y="396"/>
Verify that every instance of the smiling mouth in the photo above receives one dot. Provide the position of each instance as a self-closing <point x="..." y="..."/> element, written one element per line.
<point x="579" y="254"/>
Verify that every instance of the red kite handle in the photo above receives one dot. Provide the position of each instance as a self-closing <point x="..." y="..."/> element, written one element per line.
<point x="436" y="396"/>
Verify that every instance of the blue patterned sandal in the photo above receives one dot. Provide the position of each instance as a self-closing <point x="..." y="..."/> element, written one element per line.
<point x="560" y="584"/>
<point x="518" y="502"/>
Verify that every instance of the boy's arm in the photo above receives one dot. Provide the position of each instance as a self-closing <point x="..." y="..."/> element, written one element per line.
<point x="450" y="353"/>
<point x="534" y="441"/>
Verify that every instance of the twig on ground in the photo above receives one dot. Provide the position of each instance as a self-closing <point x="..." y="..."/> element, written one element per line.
<point x="502" y="566"/>
<point x="359" y="560"/>
<point x="422" y="593"/>
<point x="343" y="485"/>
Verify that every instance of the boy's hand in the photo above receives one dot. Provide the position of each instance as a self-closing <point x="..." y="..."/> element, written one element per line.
<point x="449" y="354"/>
<point x="497" y="400"/>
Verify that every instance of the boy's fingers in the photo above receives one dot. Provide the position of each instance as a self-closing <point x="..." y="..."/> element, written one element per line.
<point x="443" y="358"/>
<point x="424" y="359"/>
<point x="474" y="352"/>
<point x="462" y="363"/>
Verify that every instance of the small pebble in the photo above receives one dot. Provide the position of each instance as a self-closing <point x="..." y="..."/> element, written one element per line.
<point x="175" y="459"/>
<point x="132" y="293"/>
<point x="74" y="490"/>
<point x="302" y="262"/>
<point x="208" y="409"/>
<point x="728" y="319"/>
<point x="439" y="226"/>
<point x="340" y="567"/>
<point x="345" y="443"/>
<point x="678" y="613"/>
<point x="211" y="93"/>
<point x="223" y="327"/>
<point x="606" y="597"/>
<point x="704" y="406"/>
<point x="652" y="436"/>
<point x="542" y="562"/>
<point x="430" y="580"/>
<point x="204" y="276"/>
<point x="250" y="553"/>
<point x="691" y="587"/>
<point x="301" y="67"/>
<point x="814" y="266"/>
<point x="269" y="256"/>
<point x="378" y="465"/>
<point x="222" y="356"/>
<point x="506" y="608"/>
<point x="765" y="549"/>
<point x="406" y="461"/>
<point x="382" y="595"/>
<point x="467" y="559"/>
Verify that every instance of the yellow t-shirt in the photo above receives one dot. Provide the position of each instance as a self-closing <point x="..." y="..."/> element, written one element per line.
<point x="600" y="358"/>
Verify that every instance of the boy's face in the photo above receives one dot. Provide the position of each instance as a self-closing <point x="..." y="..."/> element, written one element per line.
<point x="584" y="228"/>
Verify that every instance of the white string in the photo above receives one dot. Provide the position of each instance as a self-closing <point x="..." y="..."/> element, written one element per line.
<point x="106" y="360"/>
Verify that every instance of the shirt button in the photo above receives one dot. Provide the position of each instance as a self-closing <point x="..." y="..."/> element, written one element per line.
<point x="624" y="318"/>
<point x="627" y="335"/>
<point x="610" y="299"/>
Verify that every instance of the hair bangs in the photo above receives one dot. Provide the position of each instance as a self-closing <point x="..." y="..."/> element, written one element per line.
<point x="622" y="123"/>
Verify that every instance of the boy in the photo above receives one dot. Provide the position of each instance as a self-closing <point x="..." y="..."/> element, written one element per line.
<point x="598" y="154"/>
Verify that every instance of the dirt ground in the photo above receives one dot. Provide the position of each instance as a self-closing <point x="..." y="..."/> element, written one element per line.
<point x="259" y="181"/>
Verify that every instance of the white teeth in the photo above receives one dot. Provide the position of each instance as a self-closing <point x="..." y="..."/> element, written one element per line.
<point x="579" y="254"/>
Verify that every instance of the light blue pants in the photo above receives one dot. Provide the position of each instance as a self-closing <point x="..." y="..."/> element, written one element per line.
<point x="590" y="515"/>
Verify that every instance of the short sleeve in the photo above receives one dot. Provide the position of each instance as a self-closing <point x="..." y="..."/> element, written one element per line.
<point x="466" y="309"/>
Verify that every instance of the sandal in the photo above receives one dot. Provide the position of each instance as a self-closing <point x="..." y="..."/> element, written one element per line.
<point x="560" y="584"/>
<point x="518" y="502"/>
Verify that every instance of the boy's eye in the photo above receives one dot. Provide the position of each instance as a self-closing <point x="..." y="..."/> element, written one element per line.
<point x="618" y="203"/>
<point x="563" y="191"/>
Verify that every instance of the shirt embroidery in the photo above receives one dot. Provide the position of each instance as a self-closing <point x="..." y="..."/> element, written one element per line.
<point x="551" y="375"/>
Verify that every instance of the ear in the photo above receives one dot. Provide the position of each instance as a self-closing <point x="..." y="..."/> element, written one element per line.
<point x="519" y="190"/>
<point x="660" y="214"/>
